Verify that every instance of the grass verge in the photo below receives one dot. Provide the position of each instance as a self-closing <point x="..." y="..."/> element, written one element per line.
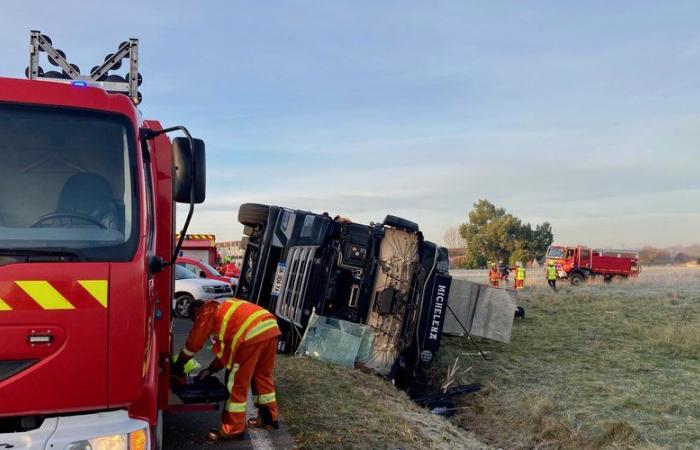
<point x="598" y="366"/>
<point x="327" y="406"/>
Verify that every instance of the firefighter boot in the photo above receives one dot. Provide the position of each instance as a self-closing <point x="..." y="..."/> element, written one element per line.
<point x="264" y="420"/>
<point x="218" y="435"/>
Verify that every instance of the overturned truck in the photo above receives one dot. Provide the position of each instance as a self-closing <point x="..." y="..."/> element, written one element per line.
<point x="384" y="276"/>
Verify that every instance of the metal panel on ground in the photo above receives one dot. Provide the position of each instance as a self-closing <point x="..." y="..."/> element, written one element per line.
<point x="462" y="301"/>
<point x="494" y="313"/>
<point x="485" y="311"/>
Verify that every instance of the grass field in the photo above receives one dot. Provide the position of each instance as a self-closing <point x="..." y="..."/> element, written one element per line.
<point x="597" y="366"/>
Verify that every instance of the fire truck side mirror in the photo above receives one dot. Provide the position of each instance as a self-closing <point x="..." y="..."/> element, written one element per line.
<point x="186" y="175"/>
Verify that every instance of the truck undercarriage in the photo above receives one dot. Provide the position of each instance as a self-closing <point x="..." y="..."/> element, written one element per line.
<point x="385" y="276"/>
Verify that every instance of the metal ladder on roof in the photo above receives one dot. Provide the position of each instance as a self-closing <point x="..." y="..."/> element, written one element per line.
<point x="99" y="75"/>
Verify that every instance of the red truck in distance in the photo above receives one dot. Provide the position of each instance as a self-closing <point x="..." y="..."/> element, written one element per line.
<point x="580" y="263"/>
<point x="87" y="252"/>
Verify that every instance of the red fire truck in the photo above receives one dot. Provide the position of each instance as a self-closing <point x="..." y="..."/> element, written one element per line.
<point x="201" y="247"/>
<point x="580" y="263"/>
<point x="87" y="206"/>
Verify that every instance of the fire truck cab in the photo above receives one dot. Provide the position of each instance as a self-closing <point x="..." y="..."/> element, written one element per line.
<point x="87" y="226"/>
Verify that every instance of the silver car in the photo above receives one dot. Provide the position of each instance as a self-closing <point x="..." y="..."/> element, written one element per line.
<point x="190" y="287"/>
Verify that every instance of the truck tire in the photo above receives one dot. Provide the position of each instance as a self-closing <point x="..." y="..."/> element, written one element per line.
<point x="183" y="303"/>
<point x="608" y="278"/>
<point x="398" y="222"/>
<point x="253" y="214"/>
<point x="577" y="279"/>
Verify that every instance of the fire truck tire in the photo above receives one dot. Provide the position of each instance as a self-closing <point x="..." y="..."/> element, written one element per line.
<point x="253" y="214"/>
<point x="158" y="432"/>
<point x="183" y="303"/>
<point x="608" y="278"/>
<point x="577" y="279"/>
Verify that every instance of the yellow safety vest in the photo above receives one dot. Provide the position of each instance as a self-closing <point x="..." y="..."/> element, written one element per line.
<point x="520" y="274"/>
<point x="551" y="273"/>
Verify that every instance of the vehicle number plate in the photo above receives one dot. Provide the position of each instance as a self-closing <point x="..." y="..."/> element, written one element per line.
<point x="279" y="276"/>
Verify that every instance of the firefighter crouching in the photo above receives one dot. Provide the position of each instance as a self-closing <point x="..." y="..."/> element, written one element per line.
<point x="245" y="343"/>
<point x="494" y="276"/>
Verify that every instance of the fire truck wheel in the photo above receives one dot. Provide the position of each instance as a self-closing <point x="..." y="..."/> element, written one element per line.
<point x="183" y="303"/>
<point x="608" y="278"/>
<point x="253" y="214"/>
<point x="577" y="279"/>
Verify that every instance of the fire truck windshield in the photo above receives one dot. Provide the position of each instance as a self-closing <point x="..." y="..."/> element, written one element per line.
<point x="555" y="252"/>
<point x="67" y="183"/>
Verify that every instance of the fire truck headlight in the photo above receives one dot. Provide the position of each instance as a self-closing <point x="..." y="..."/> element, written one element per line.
<point x="137" y="440"/>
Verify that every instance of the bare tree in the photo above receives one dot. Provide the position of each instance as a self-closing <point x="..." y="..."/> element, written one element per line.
<point x="452" y="238"/>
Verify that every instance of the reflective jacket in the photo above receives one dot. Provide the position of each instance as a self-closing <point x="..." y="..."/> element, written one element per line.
<point x="551" y="273"/>
<point x="520" y="273"/>
<point x="230" y="324"/>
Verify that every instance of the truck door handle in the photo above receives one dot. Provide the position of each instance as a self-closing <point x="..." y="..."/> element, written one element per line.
<point x="40" y="339"/>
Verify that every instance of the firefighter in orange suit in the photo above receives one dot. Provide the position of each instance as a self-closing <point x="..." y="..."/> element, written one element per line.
<point x="245" y="343"/>
<point x="494" y="276"/>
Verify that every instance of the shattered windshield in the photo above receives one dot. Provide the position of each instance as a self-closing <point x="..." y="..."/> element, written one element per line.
<point x="555" y="252"/>
<point x="67" y="183"/>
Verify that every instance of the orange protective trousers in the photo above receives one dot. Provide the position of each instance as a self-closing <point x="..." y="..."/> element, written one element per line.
<point x="253" y="365"/>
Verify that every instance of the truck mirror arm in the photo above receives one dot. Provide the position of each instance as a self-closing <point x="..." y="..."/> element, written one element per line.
<point x="151" y="134"/>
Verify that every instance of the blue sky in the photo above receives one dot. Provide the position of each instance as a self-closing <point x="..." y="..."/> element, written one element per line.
<point x="584" y="114"/>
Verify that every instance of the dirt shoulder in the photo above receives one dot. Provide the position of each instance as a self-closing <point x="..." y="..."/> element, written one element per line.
<point x="327" y="406"/>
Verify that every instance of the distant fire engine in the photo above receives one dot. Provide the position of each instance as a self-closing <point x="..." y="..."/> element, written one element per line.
<point x="580" y="263"/>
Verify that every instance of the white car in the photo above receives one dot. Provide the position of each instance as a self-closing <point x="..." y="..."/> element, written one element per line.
<point x="190" y="287"/>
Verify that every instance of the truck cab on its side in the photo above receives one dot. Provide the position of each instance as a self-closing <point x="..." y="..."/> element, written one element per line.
<point x="382" y="275"/>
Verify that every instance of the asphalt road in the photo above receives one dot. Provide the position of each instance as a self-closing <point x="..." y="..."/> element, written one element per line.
<point x="188" y="431"/>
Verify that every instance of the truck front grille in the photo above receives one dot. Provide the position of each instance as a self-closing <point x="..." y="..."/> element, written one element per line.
<point x="290" y="303"/>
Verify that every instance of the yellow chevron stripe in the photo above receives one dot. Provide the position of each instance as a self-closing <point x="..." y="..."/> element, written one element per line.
<point x="99" y="289"/>
<point x="45" y="295"/>
<point x="4" y="306"/>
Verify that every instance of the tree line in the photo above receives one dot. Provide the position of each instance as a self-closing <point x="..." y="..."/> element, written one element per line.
<point x="493" y="235"/>
<point x="652" y="256"/>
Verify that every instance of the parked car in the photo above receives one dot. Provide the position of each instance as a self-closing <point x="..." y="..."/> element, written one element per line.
<point x="204" y="270"/>
<point x="189" y="286"/>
